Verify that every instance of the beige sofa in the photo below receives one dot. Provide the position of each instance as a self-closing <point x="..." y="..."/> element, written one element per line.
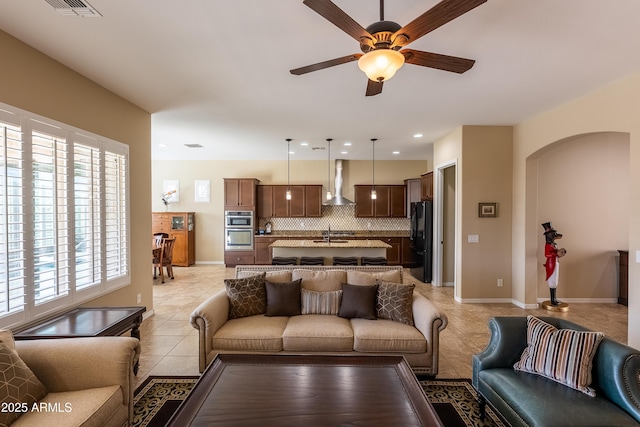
<point x="88" y="381"/>
<point x="321" y="333"/>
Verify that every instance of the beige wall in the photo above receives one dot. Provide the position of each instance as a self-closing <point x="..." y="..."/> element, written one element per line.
<point x="583" y="189"/>
<point x="36" y="83"/>
<point x="484" y="162"/>
<point x="209" y="216"/>
<point x="613" y="108"/>
<point x="448" y="227"/>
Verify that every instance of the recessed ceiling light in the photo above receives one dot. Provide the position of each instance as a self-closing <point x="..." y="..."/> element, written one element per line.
<point x="344" y="152"/>
<point x="347" y="143"/>
<point x="162" y="145"/>
<point x="418" y="135"/>
<point x="304" y="143"/>
<point x="396" y="152"/>
<point x="292" y="152"/>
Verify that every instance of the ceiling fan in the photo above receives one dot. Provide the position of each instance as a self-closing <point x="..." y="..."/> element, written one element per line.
<point x="382" y="42"/>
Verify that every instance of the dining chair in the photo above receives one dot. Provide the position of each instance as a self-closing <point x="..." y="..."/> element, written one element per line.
<point x="157" y="237"/>
<point x="164" y="259"/>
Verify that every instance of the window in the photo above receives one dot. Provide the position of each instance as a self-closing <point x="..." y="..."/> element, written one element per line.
<point x="64" y="235"/>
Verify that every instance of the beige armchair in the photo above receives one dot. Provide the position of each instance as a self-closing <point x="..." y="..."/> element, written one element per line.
<point x="89" y="381"/>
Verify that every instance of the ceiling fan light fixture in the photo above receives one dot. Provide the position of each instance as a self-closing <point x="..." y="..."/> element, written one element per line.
<point x="381" y="64"/>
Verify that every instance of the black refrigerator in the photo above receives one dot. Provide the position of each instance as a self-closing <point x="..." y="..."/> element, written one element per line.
<point x="421" y="235"/>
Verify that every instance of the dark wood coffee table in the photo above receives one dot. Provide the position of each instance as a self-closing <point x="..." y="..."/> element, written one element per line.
<point x="306" y="390"/>
<point x="88" y="322"/>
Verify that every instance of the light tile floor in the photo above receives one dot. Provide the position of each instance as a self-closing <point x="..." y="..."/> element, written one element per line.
<point x="170" y="343"/>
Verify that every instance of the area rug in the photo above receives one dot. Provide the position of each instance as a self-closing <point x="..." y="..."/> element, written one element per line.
<point x="156" y="400"/>
<point x="454" y="401"/>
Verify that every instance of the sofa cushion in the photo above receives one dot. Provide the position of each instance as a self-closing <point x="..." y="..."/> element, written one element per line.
<point x="247" y="296"/>
<point x="358" y="301"/>
<point x="321" y="302"/>
<point x="395" y="302"/>
<point x="283" y="299"/>
<point x="562" y="355"/>
<point x="253" y="333"/>
<point x="356" y="277"/>
<point x="386" y="336"/>
<point x="90" y="407"/>
<point x="317" y="332"/>
<point x="18" y="385"/>
<point x="275" y="276"/>
<point x="321" y="280"/>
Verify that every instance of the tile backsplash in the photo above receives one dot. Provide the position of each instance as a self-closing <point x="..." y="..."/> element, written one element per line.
<point x="338" y="218"/>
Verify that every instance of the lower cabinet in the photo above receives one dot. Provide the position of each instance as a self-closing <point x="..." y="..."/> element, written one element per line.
<point x="263" y="253"/>
<point x="394" y="253"/>
<point x="233" y="258"/>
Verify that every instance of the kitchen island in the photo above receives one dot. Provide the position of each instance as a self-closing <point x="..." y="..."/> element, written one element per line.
<point x="329" y="248"/>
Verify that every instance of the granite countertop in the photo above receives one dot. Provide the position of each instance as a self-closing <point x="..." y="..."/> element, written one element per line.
<point x="335" y="243"/>
<point x="317" y="234"/>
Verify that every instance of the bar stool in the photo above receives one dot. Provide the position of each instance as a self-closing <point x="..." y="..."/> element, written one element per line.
<point x="373" y="260"/>
<point x="311" y="260"/>
<point x="347" y="260"/>
<point x="283" y="260"/>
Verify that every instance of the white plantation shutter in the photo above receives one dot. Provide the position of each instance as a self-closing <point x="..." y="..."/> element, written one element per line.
<point x="50" y="221"/>
<point x="12" y="232"/>
<point x="64" y="216"/>
<point x="87" y="200"/>
<point x="115" y="179"/>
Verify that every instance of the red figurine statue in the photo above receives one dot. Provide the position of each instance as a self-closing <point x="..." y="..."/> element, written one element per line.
<point x="552" y="253"/>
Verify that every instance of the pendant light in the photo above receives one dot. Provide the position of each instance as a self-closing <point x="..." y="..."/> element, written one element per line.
<point x="373" y="169"/>
<point x="288" y="194"/>
<point x="329" y="169"/>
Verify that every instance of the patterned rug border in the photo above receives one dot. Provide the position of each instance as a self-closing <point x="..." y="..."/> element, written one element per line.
<point x="491" y="417"/>
<point x="144" y="416"/>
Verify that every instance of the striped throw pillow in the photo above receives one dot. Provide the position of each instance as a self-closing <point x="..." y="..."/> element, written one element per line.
<point x="562" y="355"/>
<point x="320" y="302"/>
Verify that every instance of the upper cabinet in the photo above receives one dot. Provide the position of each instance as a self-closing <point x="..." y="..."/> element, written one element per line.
<point x="240" y="193"/>
<point x="390" y="202"/>
<point x="306" y="201"/>
<point x="427" y="186"/>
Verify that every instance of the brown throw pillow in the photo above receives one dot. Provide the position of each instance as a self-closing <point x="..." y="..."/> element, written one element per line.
<point x="18" y="385"/>
<point x="358" y="301"/>
<point x="247" y="296"/>
<point x="395" y="302"/>
<point x="283" y="299"/>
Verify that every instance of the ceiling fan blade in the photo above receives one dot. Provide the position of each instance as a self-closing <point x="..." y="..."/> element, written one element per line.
<point x="325" y="64"/>
<point x="373" y="88"/>
<point x="437" y="16"/>
<point x="332" y="13"/>
<point x="437" y="60"/>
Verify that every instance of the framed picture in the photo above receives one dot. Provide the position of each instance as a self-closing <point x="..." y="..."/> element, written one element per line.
<point x="171" y="191"/>
<point x="202" y="191"/>
<point x="487" y="210"/>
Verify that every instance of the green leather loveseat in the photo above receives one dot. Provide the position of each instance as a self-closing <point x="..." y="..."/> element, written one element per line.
<point x="526" y="399"/>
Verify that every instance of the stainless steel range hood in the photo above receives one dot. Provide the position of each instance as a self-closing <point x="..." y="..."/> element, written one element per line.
<point x="338" y="200"/>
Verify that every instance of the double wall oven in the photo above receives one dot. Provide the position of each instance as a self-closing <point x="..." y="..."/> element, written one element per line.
<point x="238" y="230"/>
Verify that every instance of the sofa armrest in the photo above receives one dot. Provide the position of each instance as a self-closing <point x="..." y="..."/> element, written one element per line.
<point x="507" y="341"/>
<point x="429" y="320"/>
<point x="208" y="317"/>
<point x="69" y="364"/>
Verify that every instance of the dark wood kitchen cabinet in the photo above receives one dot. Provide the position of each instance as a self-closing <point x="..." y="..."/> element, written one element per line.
<point x="390" y="202"/>
<point x="240" y="193"/>
<point x="306" y="201"/>
<point x="263" y="253"/>
<point x="427" y="186"/>
<point x="394" y="253"/>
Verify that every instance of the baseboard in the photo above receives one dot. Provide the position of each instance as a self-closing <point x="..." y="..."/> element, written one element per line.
<point x="584" y="300"/>
<point x="210" y="262"/>
<point x="147" y="314"/>
<point x="448" y="284"/>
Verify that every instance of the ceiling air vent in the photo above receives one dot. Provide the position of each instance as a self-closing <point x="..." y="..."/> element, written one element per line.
<point x="74" y="8"/>
<point x="193" y="145"/>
